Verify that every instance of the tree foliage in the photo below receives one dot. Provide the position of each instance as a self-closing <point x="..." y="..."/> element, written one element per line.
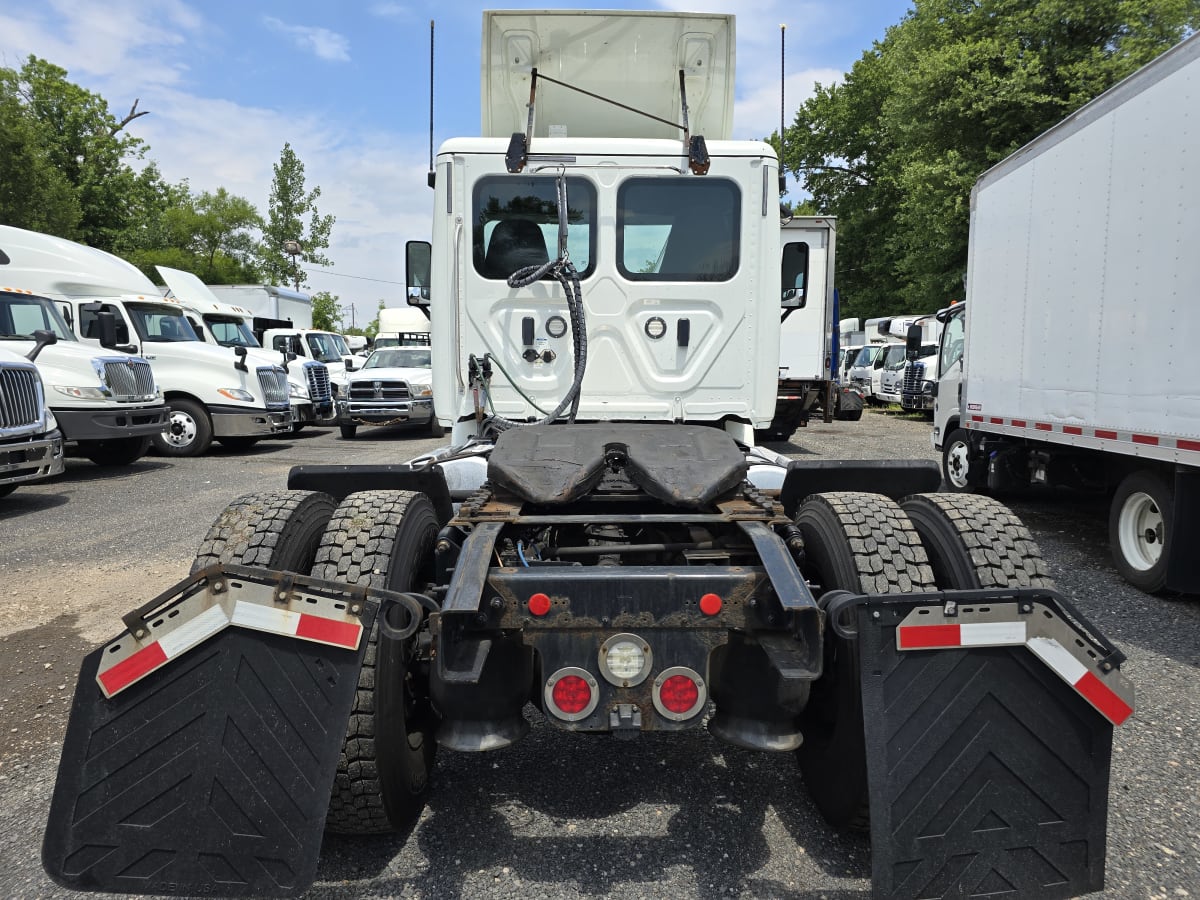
<point x="955" y="87"/>
<point x="287" y="207"/>
<point x="326" y="312"/>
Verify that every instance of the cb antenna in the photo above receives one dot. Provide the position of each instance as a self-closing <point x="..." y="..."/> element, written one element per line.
<point x="431" y="177"/>
<point x="782" y="87"/>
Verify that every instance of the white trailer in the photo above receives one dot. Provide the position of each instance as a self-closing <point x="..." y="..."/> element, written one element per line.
<point x="280" y="305"/>
<point x="1074" y="361"/>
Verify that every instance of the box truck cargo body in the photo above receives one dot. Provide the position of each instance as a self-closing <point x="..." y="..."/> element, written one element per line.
<point x="1074" y="360"/>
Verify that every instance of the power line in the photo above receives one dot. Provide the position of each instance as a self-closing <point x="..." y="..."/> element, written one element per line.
<point x="357" y="277"/>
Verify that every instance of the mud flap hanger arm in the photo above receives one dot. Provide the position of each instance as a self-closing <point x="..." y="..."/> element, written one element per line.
<point x="1041" y="620"/>
<point x="517" y="156"/>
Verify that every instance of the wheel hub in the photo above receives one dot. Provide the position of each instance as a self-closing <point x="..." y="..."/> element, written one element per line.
<point x="1141" y="531"/>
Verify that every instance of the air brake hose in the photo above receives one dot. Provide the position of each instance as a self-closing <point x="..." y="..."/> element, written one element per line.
<point x="562" y="269"/>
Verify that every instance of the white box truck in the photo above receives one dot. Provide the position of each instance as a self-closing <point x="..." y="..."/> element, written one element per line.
<point x="1074" y="359"/>
<point x="275" y="306"/>
<point x="211" y="390"/>
<point x="31" y="446"/>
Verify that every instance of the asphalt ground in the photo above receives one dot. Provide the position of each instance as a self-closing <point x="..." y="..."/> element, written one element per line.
<point x="560" y="816"/>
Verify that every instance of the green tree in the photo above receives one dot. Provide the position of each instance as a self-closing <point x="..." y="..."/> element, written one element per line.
<point x="287" y="208"/>
<point x="87" y="145"/>
<point x="327" y="312"/>
<point x="953" y="88"/>
<point x="33" y="193"/>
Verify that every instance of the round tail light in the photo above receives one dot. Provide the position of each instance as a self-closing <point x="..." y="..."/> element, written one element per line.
<point x="679" y="693"/>
<point x="571" y="694"/>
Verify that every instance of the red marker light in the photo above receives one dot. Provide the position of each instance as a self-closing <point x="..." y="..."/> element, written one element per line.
<point x="710" y="604"/>
<point x="539" y="604"/>
<point x="679" y="694"/>
<point x="571" y="694"/>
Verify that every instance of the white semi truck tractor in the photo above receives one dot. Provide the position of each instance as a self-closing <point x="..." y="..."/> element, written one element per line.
<point x="600" y="538"/>
<point x="31" y="446"/>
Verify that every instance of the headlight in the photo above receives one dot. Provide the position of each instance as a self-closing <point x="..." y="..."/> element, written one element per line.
<point x="51" y="422"/>
<point x="422" y="390"/>
<point x="83" y="393"/>
<point x="236" y="394"/>
<point x="297" y="390"/>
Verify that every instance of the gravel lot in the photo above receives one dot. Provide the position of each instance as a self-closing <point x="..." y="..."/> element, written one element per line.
<point x="556" y="815"/>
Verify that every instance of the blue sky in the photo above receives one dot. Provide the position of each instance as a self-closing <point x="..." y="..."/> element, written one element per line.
<point x="347" y="84"/>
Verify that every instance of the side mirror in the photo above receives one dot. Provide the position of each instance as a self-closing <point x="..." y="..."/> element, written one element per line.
<point x="106" y="324"/>
<point x="418" y="265"/>
<point x="240" y="353"/>
<point x="350" y="366"/>
<point x="42" y="338"/>
<point x="912" y="342"/>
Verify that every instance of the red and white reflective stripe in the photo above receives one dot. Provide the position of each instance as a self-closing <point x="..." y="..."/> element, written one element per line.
<point x="169" y="646"/>
<point x="1076" y="674"/>
<point x="294" y="624"/>
<point x="1009" y="634"/>
<point x="274" y="620"/>
<point x="982" y="634"/>
<point x="1165" y="442"/>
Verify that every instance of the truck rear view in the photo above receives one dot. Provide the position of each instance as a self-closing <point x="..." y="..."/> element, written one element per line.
<point x="600" y="539"/>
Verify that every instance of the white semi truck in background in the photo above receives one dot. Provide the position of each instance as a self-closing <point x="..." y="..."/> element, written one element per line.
<point x="600" y="539"/>
<point x="233" y="326"/>
<point x="1073" y="361"/>
<point x="31" y="446"/>
<point x="107" y="405"/>
<point x="211" y="391"/>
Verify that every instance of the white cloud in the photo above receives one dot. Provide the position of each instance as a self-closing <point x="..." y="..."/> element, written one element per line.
<point x="323" y="43"/>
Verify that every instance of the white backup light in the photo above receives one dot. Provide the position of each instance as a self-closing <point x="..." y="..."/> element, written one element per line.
<point x="625" y="660"/>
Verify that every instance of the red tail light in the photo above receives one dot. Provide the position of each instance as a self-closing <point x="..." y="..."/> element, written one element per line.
<point x="571" y="694"/>
<point x="679" y="693"/>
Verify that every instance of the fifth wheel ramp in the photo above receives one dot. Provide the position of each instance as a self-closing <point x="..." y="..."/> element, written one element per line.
<point x="209" y="775"/>
<point x="989" y="772"/>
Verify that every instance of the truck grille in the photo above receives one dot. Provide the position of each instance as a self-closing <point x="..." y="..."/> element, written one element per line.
<point x="21" y="401"/>
<point x="129" y="379"/>
<point x="316" y="375"/>
<point x="379" y="390"/>
<point x="914" y="374"/>
<point x="274" y="384"/>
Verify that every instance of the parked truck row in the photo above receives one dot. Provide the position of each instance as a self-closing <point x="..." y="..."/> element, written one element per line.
<point x="600" y="538"/>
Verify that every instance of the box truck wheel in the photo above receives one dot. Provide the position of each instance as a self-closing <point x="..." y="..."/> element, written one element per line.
<point x="962" y="473"/>
<point x="838" y="528"/>
<point x="1138" y="529"/>
<point x="976" y="542"/>
<point x="116" y="452"/>
<point x="189" y="431"/>
<point x="383" y="539"/>
<point x="272" y="529"/>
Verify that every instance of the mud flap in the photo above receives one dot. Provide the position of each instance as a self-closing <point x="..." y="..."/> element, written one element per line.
<point x="211" y="775"/>
<point x="988" y="771"/>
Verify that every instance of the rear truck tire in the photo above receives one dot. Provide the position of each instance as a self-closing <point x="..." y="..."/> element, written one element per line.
<point x="383" y="539"/>
<point x="976" y="542"/>
<point x="862" y="543"/>
<point x="348" y="431"/>
<point x="117" y="451"/>
<point x="189" y="431"/>
<point x="1139" y="529"/>
<point x="961" y="473"/>
<point x="273" y="529"/>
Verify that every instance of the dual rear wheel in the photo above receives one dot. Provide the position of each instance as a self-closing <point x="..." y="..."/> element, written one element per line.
<point x="375" y="538"/>
<point x="867" y="543"/>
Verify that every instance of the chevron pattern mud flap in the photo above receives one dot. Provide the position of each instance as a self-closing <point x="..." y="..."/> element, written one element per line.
<point x="210" y="777"/>
<point x="988" y="772"/>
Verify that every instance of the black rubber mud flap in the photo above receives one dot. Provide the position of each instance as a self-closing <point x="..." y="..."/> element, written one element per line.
<point x="988" y="773"/>
<point x="210" y="777"/>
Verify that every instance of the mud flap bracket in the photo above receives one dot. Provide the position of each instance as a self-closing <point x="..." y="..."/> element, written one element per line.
<point x="988" y="772"/>
<point x="210" y="776"/>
